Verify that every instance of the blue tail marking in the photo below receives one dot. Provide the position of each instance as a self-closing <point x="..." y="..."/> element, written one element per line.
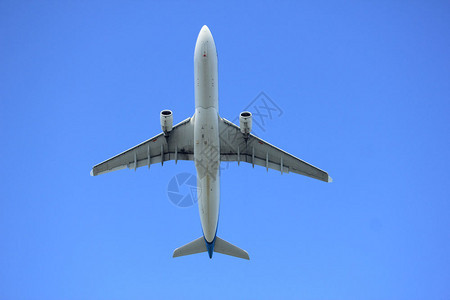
<point x="210" y="246"/>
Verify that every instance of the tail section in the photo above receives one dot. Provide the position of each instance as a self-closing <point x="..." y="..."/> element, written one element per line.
<point x="222" y="246"/>
<point x="196" y="246"/>
<point x="218" y="245"/>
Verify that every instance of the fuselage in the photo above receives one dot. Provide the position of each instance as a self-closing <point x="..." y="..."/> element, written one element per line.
<point x="206" y="134"/>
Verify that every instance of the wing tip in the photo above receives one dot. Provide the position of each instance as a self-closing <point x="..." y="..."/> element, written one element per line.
<point x="92" y="172"/>
<point x="330" y="179"/>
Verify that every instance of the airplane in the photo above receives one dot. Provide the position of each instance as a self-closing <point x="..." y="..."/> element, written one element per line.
<point x="207" y="139"/>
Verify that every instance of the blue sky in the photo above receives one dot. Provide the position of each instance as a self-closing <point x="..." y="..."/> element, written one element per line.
<point x="364" y="89"/>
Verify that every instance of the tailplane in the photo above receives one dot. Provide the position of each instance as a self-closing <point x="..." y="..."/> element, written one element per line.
<point x="196" y="246"/>
<point x="220" y="246"/>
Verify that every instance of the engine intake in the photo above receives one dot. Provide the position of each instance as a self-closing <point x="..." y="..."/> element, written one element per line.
<point x="245" y="122"/>
<point x="166" y="118"/>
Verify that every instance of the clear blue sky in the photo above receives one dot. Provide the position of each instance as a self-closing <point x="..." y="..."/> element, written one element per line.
<point x="365" y="92"/>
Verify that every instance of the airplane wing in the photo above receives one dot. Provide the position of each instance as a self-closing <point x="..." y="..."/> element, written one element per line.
<point x="178" y="145"/>
<point x="235" y="147"/>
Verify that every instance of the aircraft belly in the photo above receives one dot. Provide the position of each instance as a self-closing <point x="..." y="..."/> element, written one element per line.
<point x="208" y="204"/>
<point x="207" y="160"/>
<point x="205" y="76"/>
<point x="206" y="133"/>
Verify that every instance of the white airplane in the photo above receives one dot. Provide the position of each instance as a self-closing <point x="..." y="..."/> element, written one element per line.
<point x="208" y="139"/>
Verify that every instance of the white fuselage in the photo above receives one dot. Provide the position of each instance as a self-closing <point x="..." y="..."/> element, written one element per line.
<point x="206" y="133"/>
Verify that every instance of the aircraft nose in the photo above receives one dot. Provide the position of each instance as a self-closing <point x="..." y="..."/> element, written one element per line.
<point x="205" y="33"/>
<point x="205" y="43"/>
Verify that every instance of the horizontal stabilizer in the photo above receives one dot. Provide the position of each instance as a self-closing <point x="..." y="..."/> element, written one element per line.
<point x="196" y="246"/>
<point x="222" y="246"/>
<point x="219" y="246"/>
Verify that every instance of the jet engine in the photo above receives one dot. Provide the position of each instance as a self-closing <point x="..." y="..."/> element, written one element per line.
<point x="166" y="118"/>
<point x="245" y="122"/>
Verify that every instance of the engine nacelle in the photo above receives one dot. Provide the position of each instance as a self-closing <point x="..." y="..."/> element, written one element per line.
<point x="245" y="122"/>
<point x="166" y="118"/>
